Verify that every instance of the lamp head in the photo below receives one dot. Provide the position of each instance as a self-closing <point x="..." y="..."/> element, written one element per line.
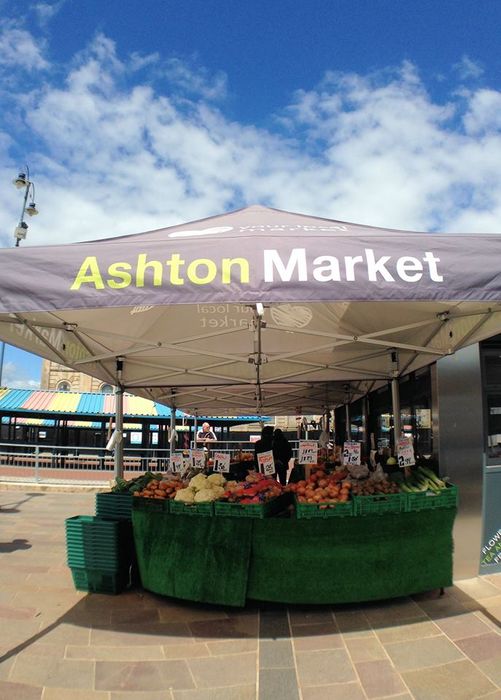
<point x="31" y="209"/>
<point x="20" y="181"/>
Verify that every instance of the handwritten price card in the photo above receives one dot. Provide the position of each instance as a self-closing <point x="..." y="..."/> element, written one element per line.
<point x="221" y="462"/>
<point x="308" y="452"/>
<point x="266" y="463"/>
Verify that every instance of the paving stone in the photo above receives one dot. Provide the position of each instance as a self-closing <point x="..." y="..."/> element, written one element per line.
<point x="16" y="613"/>
<point x="64" y="633"/>
<point x="173" y="613"/>
<point x="53" y="672"/>
<point x="459" y="626"/>
<point x="353" y="623"/>
<point x="67" y="694"/>
<point x="142" y="634"/>
<point x="339" y="691"/>
<point x="274" y="624"/>
<point x="138" y="695"/>
<point x="365" y="650"/>
<point x="142" y="675"/>
<point x="317" y="636"/>
<point x="492" y="669"/>
<point x="236" y="628"/>
<point x="136" y="615"/>
<point x="241" y="692"/>
<point x="481" y="647"/>
<point x="278" y="684"/>
<point x="19" y="691"/>
<point x="234" y="646"/>
<point x="379" y="678"/>
<point x="460" y="680"/>
<point x="275" y="653"/>
<point x="408" y="631"/>
<point x="420" y="653"/>
<point x="186" y="651"/>
<point x="477" y="588"/>
<point x="310" y="616"/>
<point x="221" y="671"/>
<point x="324" y="667"/>
<point x="118" y="653"/>
<point x="394" y="612"/>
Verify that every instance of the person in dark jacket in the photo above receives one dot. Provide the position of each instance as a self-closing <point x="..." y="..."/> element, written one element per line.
<point x="282" y="452"/>
<point x="264" y="444"/>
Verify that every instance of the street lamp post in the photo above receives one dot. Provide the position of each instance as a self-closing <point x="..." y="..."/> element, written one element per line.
<point x="22" y="180"/>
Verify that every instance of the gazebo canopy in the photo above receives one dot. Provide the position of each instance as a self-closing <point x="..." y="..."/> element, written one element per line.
<point x="255" y="311"/>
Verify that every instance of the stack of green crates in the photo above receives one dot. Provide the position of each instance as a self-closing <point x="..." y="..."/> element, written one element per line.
<point x="98" y="553"/>
<point x="117" y="506"/>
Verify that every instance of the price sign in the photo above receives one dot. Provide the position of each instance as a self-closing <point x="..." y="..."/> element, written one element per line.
<point x="198" y="459"/>
<point x="221" y="462"/>
<point x="308" y="452"/>
<point x="176" y="462"/>
<point x="351" y="453"/>
<point x="405" y="452"/>
<point x="266" y="463"/>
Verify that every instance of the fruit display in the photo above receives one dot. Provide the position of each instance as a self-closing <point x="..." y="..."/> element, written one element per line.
<point x="324" y="488"/>
<point x="422" y="479"/>
<point x="371" y="487"/>
<point x="163" y="488"/>
<point x="136" y="484"/>
<point x="256" y="488"/>
<point x="202" y="489"/>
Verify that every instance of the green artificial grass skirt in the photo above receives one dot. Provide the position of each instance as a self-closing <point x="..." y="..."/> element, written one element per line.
<point x="327" y="560"/>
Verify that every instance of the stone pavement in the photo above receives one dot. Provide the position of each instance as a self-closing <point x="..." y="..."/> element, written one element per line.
<point x="60" y="644"/>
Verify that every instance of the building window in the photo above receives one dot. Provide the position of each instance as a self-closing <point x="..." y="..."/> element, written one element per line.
<point x="63" y="386"/>
<point x="106" y="389"/>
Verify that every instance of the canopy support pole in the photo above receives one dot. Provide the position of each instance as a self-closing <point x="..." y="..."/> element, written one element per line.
<point x="119" y="421"/>
<point x="395" y="399"/>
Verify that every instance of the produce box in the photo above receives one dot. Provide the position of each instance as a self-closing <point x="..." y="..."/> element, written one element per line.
<point x="117" y="506"/>
<point x="98" y="581"/>
<point x="380" y="503"/>
<point x="181" y="508"/>
<point x="252" y="510"/>
<point x="153" y="505"/>
<point x="428" y="500"/>
<point x="323" y="510"/>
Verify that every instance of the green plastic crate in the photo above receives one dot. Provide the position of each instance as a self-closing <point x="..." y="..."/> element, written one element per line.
<point x="99" y="581"/>
<point x="252" y="510"/>
<point x="380" y="503"/>
<point x="114" y="505"/>
<point x="179" y="508"/>
<point x="306" y="511"/>
<point x="98" y="544"/>
<point x="151" y="505"/>
<point x="429" y="500"/>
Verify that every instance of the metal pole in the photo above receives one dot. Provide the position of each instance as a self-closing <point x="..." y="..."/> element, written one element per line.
<point x="37" y="463"/>
<point x="119" y="422"/>
<point x="2" y="352"/>
<point x="348" y="421"/>
<point x="395" y="399"/>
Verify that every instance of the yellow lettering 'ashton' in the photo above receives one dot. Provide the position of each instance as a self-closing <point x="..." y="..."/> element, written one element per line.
<point x="154" y="273"/>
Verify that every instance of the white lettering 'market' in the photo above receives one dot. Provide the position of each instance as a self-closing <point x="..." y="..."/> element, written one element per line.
<point x="328" y="268"/>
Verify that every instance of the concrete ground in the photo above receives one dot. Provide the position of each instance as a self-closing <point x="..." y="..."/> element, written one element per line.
<point x="60" y="644"/>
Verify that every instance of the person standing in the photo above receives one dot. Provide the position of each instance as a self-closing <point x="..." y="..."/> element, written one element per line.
<point x="264" y="444"/>
<point x="282" y="452"/>
<point x="206" y="434"/>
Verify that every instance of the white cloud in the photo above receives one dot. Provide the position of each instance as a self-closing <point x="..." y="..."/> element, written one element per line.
<point x="15" y="377"/>
<point x="468" y="68"/>
<point x="19" y="49"/>
<point x="112" y="153"/>
<point x="47" y="10"/>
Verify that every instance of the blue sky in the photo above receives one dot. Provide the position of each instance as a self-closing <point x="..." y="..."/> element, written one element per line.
<point x="146" y="113"/>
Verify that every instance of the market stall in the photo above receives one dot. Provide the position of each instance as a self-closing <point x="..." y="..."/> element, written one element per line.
<point x="326" y="560"/>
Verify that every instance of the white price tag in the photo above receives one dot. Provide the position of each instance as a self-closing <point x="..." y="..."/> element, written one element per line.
<point x="351" y="453"/>
<point x="198" y="459"/>
<point x="221" y="462"/>
<point x="308" y="452"/>
<point x="266" y="463"/>
<point x="176" y="462"/>
<point x="405" y="452"/>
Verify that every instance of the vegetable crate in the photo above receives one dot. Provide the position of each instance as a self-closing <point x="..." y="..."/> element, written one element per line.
<point x="99" y="553"/>
<point x="180" y="508"/>
<point x="98" y="581"/>
<point x="151" y="505"/>
<point x="252" y="510"/>
<point x="429" y="500"/>
<point x="380" y="503"/>
<point x="306" y="511"/>
<point x="117" y="506"/>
